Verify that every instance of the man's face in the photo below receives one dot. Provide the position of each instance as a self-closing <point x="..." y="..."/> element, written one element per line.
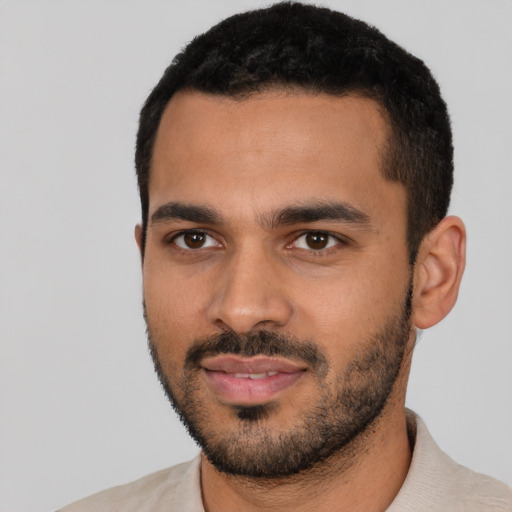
<point x="276" y="281"/>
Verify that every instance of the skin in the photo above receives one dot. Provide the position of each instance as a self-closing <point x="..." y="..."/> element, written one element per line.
<point x="245" y="160"/>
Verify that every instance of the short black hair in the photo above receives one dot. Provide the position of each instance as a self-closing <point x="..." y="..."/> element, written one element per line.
<point x="318" y="50"/>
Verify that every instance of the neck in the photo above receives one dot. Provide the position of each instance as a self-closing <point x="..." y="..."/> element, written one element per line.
<point x="367" y="477"/>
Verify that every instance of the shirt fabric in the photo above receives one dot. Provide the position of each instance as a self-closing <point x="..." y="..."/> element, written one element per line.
<point x="434" y="483"/>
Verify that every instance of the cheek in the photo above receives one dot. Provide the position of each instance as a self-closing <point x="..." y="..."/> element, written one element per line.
<point x="340" y="315"/>
<point x="174" y="307"/>
<point x="172" y="291"/>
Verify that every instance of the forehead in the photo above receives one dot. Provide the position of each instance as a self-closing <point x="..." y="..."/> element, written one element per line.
<point x="273" y="119"/>
<point x="270" y="147"/>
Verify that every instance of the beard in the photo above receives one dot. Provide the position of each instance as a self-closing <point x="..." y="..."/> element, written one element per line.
<point x="342" y="412"/>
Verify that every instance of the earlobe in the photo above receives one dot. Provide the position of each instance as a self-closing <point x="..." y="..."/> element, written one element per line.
<point x="438" y="272"/>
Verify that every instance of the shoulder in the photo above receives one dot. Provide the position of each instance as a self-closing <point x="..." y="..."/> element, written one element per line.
<point x="477" y="492"/>
<point x="157" y="491"/>
<point x="437" y="483"/>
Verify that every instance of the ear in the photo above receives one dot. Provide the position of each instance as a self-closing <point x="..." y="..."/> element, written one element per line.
<point x="138" y="237"/>
<point x="438" y="272"/>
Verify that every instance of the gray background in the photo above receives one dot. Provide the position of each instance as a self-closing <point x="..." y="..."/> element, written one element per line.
<point x="80" y="407"/>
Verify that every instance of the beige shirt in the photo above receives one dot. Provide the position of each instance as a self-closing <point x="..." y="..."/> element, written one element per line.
<point x="434" y="483"/>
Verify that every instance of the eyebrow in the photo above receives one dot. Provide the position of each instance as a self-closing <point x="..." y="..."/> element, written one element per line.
<point x="289" y="215"/>
<point x="180" y="211"/>
<point x="303" y="214"/>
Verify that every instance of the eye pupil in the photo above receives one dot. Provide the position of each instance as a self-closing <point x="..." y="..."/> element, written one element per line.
<point x="194" y="240"/>
<point x="317" y="240"/>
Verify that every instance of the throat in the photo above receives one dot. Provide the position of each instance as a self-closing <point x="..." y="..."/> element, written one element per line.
<point x="375" y="459"/>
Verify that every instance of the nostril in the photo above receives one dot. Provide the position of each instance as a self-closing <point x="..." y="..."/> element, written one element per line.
<point x="240" y="318"/>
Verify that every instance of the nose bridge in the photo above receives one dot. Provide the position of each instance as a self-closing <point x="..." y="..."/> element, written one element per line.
<point x="250" y="291"/>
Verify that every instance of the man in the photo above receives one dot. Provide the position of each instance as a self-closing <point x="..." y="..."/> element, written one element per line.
<point x="295" y="169"/>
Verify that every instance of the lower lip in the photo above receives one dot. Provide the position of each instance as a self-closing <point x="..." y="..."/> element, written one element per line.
<point x="245" y="391"/>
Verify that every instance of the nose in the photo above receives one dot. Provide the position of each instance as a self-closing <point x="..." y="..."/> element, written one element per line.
<point x="250" y="293"/>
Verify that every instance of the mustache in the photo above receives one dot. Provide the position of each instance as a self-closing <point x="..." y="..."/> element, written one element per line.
<point x="265" y="343"/>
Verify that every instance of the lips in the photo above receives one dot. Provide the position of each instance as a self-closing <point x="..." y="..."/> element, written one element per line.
<point x="250" y="381"/>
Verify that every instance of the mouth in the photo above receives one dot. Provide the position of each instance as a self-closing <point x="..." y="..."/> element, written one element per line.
<point x="250" y="381"/>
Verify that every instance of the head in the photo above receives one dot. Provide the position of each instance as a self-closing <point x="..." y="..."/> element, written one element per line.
<point x="295" y="169"/>
<point x="317" y="50"/>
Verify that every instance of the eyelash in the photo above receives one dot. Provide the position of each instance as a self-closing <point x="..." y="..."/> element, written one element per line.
<point x="340" y="241"/>
<point x="326" y="251"/>
<point x="172" y="239"/>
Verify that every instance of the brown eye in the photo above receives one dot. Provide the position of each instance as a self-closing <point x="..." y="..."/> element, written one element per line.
<point x="317" y="241"/>
<point x="195" y="240"/>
